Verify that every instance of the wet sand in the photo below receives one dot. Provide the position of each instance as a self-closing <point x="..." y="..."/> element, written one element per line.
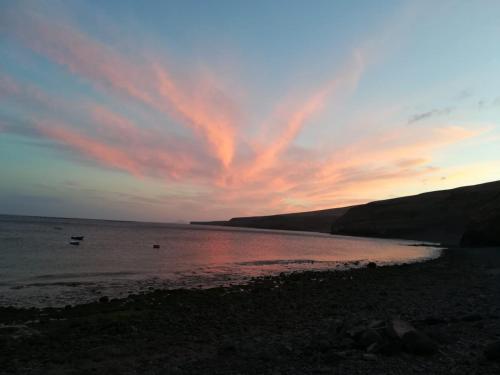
<point x="333" y="322"/>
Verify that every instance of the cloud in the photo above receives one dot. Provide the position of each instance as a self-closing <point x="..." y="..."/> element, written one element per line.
<point x="111" y="156"/>
<point x="213" y="118"/>
<point x="295" y="118"/>
<point x="220" y="168"/>
<point x="203" y="108"/>
<point x="464" y="94"/>
<point x="430" y="114"/>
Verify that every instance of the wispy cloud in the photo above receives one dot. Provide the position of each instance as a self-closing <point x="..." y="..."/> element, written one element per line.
<point x="343" y="83"/>
<point x="110" y="155"/>
<point x="430" y="114"/>
<point x="202" y="107"/>
<point x="196" y="133"/>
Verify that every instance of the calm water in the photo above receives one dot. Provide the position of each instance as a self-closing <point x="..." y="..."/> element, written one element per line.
<point x="38" y="266"/>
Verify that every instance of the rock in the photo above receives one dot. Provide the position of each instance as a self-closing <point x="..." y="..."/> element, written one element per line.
<point x="356" y="332"/>
<point x="104" y="299"/>
<point x="391" y="347"/>
<point x="369" y="337"/>
<point x="416" y="342"/>
<point x="492" y="351"/>
<point x="472" y="318"/>
<point x="376" y="347"/>
<point x="371" y="265"/>
<point x="345" y="343"/>
<point x="376" y="324"/>
<point x="432" y="320"/>
<point x="398" y="328"/>
<point x="17" y="331"/>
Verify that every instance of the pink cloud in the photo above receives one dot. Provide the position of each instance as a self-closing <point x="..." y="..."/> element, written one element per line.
<point x="150" y="84"/>
<point x="216" y="123"/>
<point x="111" y="156"/>
<point x="274" y="173"/>
<point x="342" y="84"/>
<point x="8" y="87"/>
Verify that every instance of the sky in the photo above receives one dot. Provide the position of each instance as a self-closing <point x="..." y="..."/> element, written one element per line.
<point x="195" y="110"/>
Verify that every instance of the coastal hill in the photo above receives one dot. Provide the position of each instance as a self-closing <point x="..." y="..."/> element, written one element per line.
<point x="310" y="221"/>
<point x="468" y="215"/>
<point x="444" y="216"/>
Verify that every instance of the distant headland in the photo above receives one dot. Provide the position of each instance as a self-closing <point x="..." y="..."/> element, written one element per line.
<point x="468" y="216"/>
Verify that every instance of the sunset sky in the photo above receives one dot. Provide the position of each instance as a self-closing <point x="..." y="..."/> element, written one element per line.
<point x="179" y="110"/>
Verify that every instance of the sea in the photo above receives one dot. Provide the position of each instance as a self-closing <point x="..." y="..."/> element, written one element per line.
<point x="40" y="268"/>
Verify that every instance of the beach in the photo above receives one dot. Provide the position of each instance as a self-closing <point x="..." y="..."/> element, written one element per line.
<point x="299" y="323"/>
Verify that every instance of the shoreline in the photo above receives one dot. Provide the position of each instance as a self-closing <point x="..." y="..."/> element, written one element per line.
<point x="298" y="323"/>
<point x="60" y="289"/>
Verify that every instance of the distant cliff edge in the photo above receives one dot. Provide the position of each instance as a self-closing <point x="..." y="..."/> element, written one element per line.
<point x="468" y="215"/>
<point x="311" y="221"/>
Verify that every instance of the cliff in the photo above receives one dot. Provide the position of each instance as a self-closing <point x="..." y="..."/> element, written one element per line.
<point x="468" y="216"/>
<point x="471" y="212"/>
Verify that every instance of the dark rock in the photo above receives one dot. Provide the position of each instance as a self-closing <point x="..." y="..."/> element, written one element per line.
<point x="356" y="333"/>
<point x="377" y="324"/>
<point x="369" y="337"/>
<point x="432" y="320"/>
<point x="472" y="318"/>
<point x="416" y="342"/>
<point x="376" y="347"/>
<point x="369" y="357"/>
<point x="104" y="299"/>
<point x="390" y="347"/>
<point x="345" y="343"/>
<point x="492" y="351"/>
<point x="371" y="265"/>
<point x="398" y="328"/>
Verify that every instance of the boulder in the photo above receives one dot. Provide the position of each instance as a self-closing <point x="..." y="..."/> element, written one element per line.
<point x="398" y="328"/>
<point x="413" y="341"/>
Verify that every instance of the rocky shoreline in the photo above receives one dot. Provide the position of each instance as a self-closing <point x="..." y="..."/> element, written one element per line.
<point x="437" y="317"/>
